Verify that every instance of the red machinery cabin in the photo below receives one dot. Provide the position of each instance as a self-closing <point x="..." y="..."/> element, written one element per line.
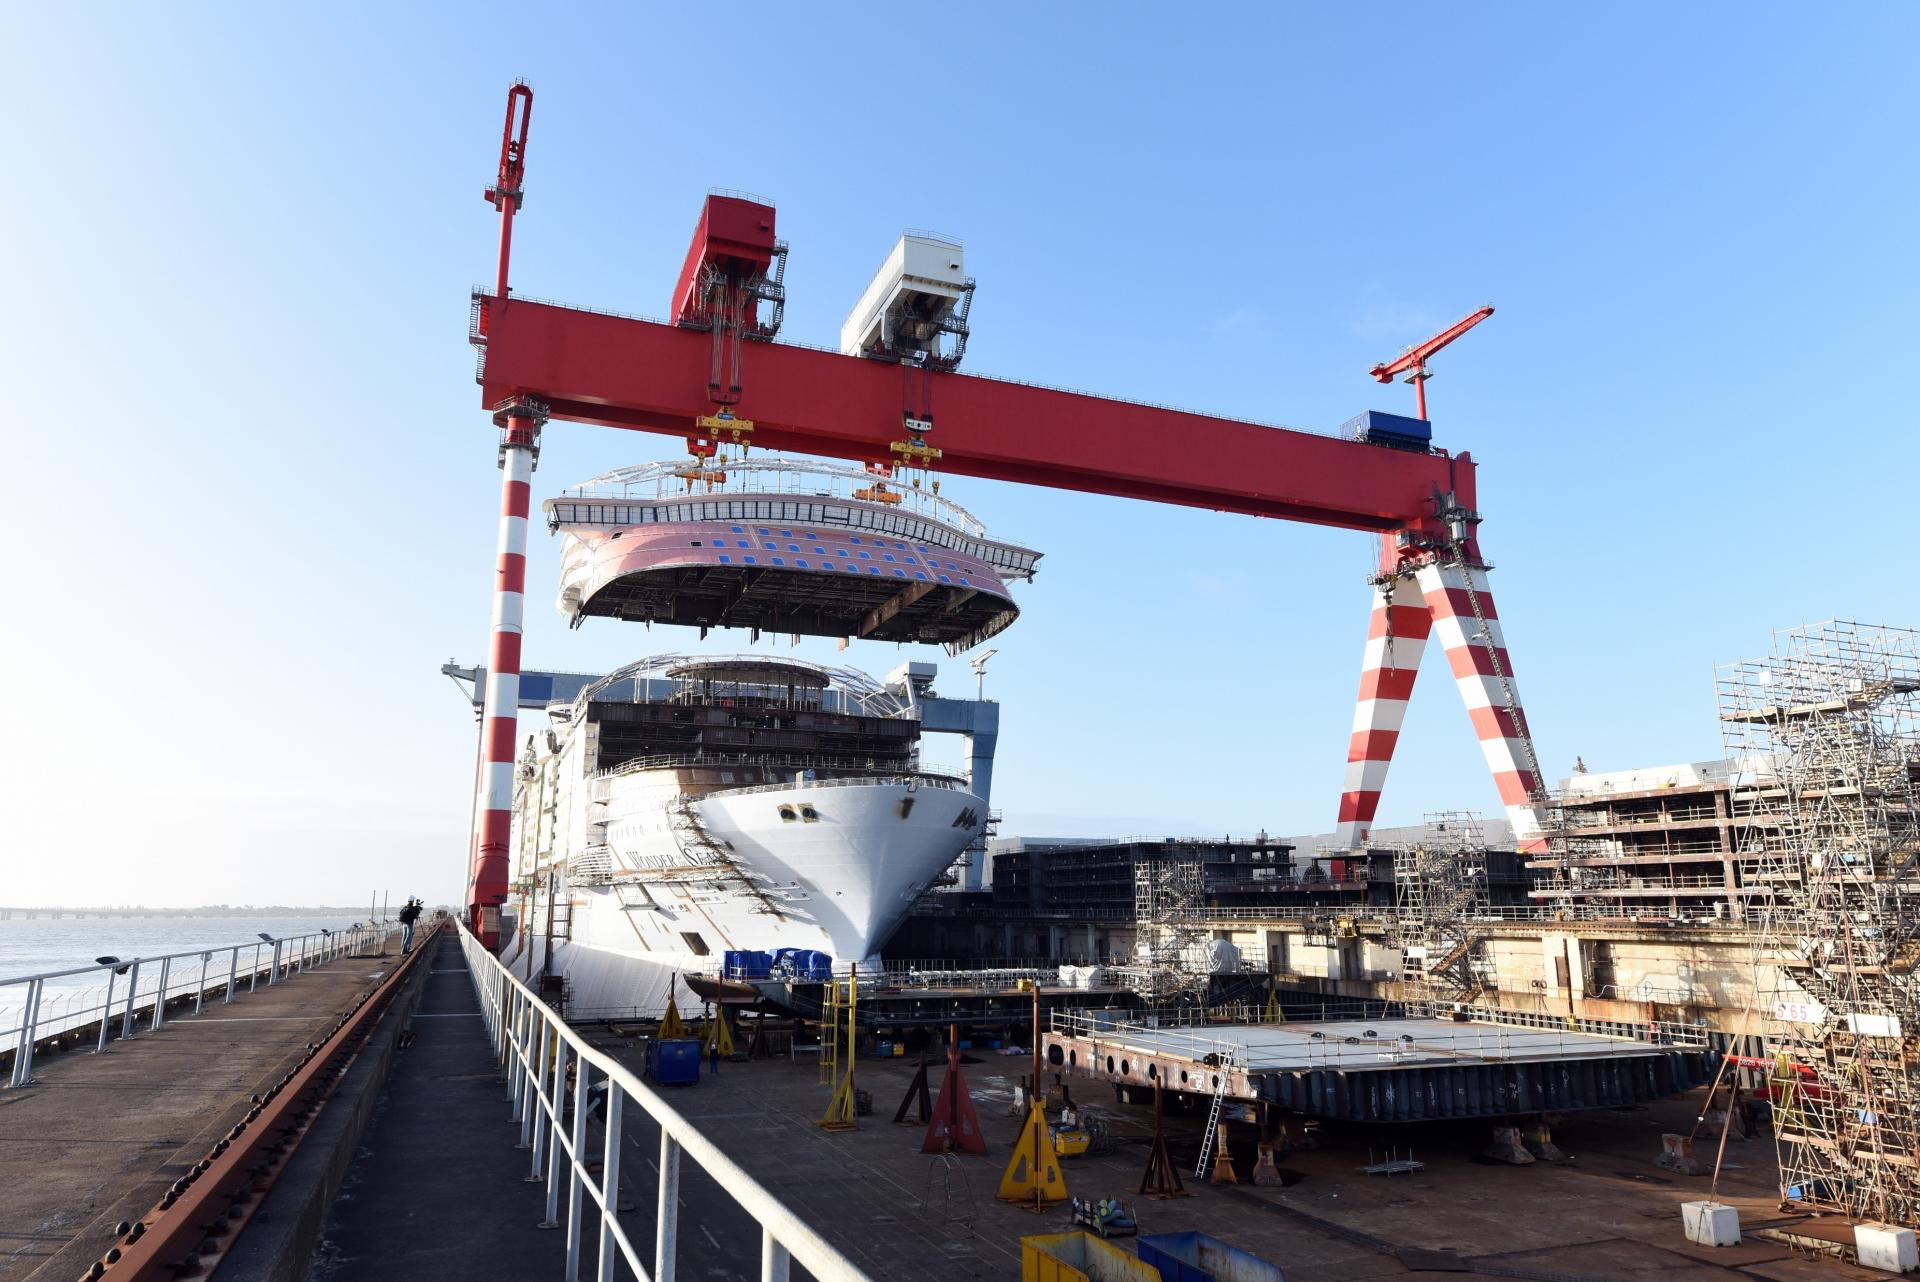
<point x="735" y="236"/>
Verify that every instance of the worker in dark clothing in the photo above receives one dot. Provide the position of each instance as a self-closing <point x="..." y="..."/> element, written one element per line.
<point x="409" y="914"/>
<point x="713" y="1057"/>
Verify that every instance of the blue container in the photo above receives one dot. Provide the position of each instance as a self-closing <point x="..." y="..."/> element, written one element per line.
<point x="674" y="1061"/>
<point x="1395" y="430"/>
<point x="886" y="1050"/>
<point x="1196" y="1257"/>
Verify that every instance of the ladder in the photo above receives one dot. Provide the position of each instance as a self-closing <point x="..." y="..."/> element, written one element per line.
<point x="1226" y="1062"/>
<point x="1514" y="714"/>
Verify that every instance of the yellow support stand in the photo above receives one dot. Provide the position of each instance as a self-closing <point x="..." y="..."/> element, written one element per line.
<point x="841" y="1108"/>
<point x="1033" y="1177"/>
<point x="839" y="1114"/>
<point x="672" y="1025"/>
<point x="1274" y="1014"/>
<point x="718" y="1036"/>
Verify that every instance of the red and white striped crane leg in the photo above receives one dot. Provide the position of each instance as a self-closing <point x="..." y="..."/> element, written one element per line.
<point x="1396" y="637"/>
<point x="1499" y="722"/>
<point x="493" y="802"/>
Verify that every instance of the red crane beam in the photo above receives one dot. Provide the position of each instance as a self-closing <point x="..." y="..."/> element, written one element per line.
<point x="591" y="367"/>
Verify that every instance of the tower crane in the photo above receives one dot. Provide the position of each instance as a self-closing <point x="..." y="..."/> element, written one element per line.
<point x="1413" y="361"/>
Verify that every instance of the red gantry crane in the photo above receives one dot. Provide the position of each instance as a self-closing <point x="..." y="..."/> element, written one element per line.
<point x="696" y="378"/>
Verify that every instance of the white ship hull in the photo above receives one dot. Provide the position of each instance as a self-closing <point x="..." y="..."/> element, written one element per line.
<point x="686" y="878"/>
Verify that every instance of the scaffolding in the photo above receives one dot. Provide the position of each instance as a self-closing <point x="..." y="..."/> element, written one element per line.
<point x="1825" y="735"/>
<point x="1169" y="909"/>
<point x="1440" y="886"/>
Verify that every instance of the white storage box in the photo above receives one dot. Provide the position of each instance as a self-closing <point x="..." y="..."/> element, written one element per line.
<point x="1882" y="1246"/>
<point x="1711" y="1223"/>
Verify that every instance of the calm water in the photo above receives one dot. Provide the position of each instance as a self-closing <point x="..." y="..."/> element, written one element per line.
<point x="28" y="947"/>
<point x="43" y="944"/>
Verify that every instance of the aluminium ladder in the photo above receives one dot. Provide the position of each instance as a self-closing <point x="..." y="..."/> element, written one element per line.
<point x="1227" y="1059"/>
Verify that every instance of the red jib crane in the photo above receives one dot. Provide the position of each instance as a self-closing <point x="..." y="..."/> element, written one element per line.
<point x="1413" y="361"/>
<point x="542" y="361"/>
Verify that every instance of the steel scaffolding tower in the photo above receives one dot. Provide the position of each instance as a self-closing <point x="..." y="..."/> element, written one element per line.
<point x="1825" y="734"/>
<point x="1439" y="886"/>
<point x="1169" y="902"/>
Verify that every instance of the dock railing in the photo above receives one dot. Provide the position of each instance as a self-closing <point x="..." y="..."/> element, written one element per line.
<point x="35" y="1007"/>
<point x="537" y="1050"/>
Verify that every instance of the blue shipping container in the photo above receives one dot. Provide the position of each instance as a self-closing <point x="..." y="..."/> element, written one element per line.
<point x="674" y="1061"/>
<point x="1398" y="430"/>
<point x="1196" y="1257"/>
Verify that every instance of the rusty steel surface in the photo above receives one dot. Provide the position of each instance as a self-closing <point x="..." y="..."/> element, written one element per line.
<point x="193" y="1225"/>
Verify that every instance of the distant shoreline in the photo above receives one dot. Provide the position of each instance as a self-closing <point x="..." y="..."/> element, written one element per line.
<point x="203" y="910"/>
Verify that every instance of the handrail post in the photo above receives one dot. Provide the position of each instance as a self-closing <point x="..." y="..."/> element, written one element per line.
<point x="610" y="1181"/>
<point x="557" y="1097"/>
<point x="774" y="1260"/>
<point x="666" y="1239"/>
<point x="576" y="1172"/>
<point x="200" y="998"/>
<point x="531" y="1132"/>
<point x="133" y="987"/>
<point x="159" y="1020"/>
<point x="233" y="973"/>
<point x="29" y="1016"/>
<point x="521" y="1066"/>
<point x="273" y="976"/>
<point x="106" y="1013"/>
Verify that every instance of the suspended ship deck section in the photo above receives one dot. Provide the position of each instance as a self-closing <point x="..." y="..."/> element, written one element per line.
<point x="796" y="550"/>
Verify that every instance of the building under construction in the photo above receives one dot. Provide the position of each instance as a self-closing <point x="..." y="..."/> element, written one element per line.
<point x="1828" y="817"/>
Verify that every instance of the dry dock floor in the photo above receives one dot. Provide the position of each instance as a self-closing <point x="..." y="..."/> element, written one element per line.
<point x="1609" y="1214"/>
<point x="439" y="1191"/>
<point x="95" y="1139"/>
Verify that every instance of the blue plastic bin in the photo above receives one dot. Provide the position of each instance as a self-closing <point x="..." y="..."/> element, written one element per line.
<point x="674" y="1061"/>
<point x="1196" y="1257"/>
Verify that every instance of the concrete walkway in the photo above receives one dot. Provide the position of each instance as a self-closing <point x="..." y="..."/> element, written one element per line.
<point x="95" y="1139"/>
<point x="438" y="1189"/>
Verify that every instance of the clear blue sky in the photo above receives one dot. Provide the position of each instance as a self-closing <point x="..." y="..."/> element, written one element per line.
<point x="250" y="496"/>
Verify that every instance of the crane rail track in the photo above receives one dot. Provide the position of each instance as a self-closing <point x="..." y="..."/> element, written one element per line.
<point x="197" y="1221"/>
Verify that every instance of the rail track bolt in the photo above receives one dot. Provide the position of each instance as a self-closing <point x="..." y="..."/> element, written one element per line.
<point x="99" y="1270"/>
<point x="123" y="1228"/>
<point x="113" y="1256"/>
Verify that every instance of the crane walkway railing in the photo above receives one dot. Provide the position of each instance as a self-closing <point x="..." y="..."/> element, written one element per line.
<point x="556" y="1081"/>
<point x="35" y="1007"/>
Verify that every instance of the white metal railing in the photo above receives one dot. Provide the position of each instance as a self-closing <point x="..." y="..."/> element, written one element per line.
<point x="536" y="1050"/>
<point x="33" y="1011"/>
